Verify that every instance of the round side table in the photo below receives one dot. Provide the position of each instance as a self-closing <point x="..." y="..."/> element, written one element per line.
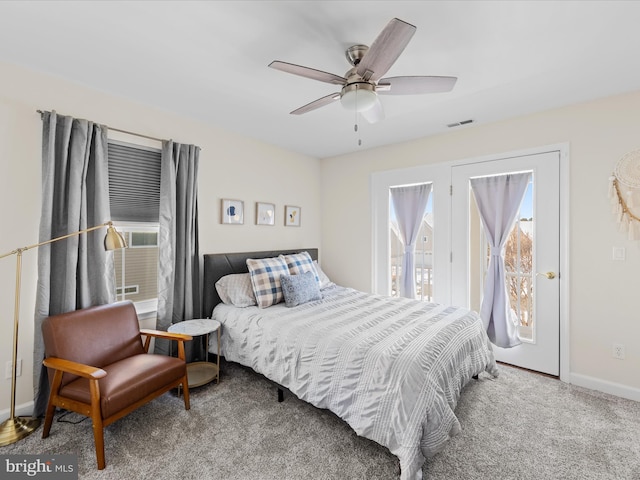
<point x="200" y="373"/>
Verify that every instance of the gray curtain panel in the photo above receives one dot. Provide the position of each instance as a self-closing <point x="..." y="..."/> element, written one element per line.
<point x="76" y="272"/>
<point x="409" y="204"/>
<point x="179" y="262"/>
<point x="498" y="199"/>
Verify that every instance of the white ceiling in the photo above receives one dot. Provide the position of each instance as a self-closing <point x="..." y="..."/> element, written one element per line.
<point x="208" y="60"/>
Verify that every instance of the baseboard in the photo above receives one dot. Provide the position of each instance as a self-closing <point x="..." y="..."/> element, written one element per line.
<point x="24" y="410"/>
<point x="605" y="386"/>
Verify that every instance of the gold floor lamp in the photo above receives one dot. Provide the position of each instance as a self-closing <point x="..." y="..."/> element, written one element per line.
<point x="16" y="428"/>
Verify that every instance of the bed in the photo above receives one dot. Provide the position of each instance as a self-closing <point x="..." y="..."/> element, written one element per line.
<point x="392" y="368"/>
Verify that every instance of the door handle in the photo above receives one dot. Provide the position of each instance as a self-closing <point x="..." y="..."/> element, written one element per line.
<point x="549" y="275"/>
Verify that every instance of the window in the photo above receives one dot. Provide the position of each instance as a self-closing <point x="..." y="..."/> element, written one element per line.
<point x="134" y="194"/>
<point x="137" y="266"/>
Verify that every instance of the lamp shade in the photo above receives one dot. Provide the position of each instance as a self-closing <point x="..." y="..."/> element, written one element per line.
<point x="358" y="96"/>
<point x="113" y="240"/>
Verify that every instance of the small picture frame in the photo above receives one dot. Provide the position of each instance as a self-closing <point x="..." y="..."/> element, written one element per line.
<point x="291" y="216"/>
<point x="232" y="212"/>
<point x="265" y="213"/>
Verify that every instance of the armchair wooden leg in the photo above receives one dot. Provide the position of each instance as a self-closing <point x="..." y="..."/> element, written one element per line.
<point x="185" y="392"/>
<point x="48" y="420"/>
<point x="51" y="408"/>
<point x="96" y="419"/>
<point x="98" y="437"/>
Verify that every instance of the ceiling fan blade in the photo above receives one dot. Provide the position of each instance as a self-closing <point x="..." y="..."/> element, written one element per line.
<point x="415" y="85"/>
<point x="385" y="49"/>
<point x="321" y="102"/>
<point x="307" y="72"/>
<point x="375" y="113"/>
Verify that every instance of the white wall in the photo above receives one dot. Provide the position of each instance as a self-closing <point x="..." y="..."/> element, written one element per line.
<point x="231" y="166"/>
<point x="604" y="301"/>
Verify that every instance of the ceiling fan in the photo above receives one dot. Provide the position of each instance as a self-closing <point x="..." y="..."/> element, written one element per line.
<point x="362" y="84"/>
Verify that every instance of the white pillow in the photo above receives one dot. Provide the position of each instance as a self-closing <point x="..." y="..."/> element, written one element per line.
<point x="236" y="289"/>
<point x="324" y="279"/>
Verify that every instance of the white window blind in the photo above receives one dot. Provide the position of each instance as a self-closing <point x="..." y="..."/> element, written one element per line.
<point x="134" y="182"/>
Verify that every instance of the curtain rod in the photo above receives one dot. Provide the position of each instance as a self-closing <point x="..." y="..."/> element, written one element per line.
<point x="123" y="131"/>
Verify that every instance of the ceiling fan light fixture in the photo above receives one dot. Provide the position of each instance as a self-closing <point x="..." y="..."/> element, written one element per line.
<point x="358" y="96"/>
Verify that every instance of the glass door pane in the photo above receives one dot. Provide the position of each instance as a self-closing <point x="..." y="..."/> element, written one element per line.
<point x="519" y="255"/>
<point x="519" y="262"/>
<point x="423" y="254"/>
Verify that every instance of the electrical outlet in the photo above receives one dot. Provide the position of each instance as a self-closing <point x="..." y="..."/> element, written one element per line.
<point x="8" y="370"/>
<point x="618" y="351"/>
<point x="619" y="254"/>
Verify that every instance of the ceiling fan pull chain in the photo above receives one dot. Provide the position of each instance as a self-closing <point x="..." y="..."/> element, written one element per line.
<point x="355" y="127"/>
<point x="355" y="113"/>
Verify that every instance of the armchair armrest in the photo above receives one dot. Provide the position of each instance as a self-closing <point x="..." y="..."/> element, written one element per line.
<point x="74" y="368"/>
<point x="180" y="337"/>
<point x="167" y="335"/>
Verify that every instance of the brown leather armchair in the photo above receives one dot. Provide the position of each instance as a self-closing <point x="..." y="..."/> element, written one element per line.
<point x="99" y="367"/>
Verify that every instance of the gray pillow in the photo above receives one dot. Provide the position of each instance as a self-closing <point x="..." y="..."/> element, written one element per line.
<point x="299" y="289"/>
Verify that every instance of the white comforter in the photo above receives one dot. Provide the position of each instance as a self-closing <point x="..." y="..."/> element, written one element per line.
<point x="392" y="368"/>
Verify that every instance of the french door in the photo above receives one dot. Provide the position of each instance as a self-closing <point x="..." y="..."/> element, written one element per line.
<point x="532" y="256"/>
<point x="433" y="248"/>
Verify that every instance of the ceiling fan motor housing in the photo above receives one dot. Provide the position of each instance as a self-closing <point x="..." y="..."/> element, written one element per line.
<point x="355" y="53"/>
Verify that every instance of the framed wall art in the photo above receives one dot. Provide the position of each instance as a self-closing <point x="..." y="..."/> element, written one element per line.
<point x="232" y="212"/>
<point x="265" y="213"/>
<point x="291" y="216"/>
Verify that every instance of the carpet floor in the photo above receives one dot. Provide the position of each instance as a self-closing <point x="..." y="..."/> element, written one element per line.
<point x="518" y="426"/>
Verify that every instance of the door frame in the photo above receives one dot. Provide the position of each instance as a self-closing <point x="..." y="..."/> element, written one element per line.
<point x="380" y="182"/>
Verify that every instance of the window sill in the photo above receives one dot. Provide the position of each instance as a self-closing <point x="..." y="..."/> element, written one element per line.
<point x="146" y="306"/>
<point x="147" y="317"/>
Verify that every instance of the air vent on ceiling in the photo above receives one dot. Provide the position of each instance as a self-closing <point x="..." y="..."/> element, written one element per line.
<point x="462" y="122"/>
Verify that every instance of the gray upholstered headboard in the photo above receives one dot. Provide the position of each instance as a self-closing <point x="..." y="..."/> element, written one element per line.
<point x="217" y="265"/>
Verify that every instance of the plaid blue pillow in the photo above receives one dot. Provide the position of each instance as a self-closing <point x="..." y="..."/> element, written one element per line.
<point x="265" y="279"/>
<point x="301" y="263"/>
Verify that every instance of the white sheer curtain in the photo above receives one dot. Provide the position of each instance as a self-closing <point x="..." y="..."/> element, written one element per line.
<point x="409" y="204"/>
<point x="179" y="262"/>
<point x="498" y="199"/>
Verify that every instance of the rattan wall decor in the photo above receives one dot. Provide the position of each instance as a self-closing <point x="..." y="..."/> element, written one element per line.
<point x="624" y="183"/>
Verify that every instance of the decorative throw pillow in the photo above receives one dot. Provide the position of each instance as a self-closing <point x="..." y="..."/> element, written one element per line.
<point x="265" y="279"/>
<point x="299" y="289"/>
<point x="325" y="281"/>
<point x="236" y="289"/>
<point x="300" y="263"/>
